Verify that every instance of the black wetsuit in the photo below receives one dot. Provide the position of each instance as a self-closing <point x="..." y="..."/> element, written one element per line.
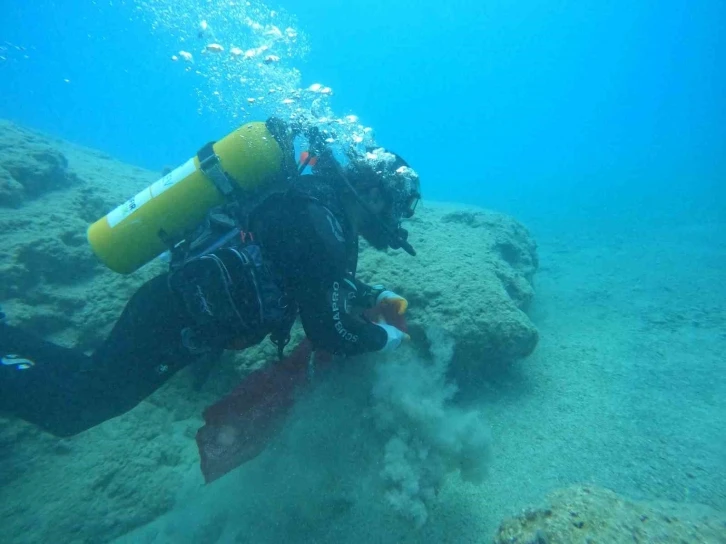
<point x="312" y="250"/>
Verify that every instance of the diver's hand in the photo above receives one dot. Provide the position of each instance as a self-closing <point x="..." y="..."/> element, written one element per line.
<point x="389" y="298"/>
<point x="394" y="336"/>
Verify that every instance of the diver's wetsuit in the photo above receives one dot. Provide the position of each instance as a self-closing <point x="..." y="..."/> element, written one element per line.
<point x="309" y="245"/>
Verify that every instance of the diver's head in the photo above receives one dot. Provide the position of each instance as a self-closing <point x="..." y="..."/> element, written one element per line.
<point x="384" y="191"/>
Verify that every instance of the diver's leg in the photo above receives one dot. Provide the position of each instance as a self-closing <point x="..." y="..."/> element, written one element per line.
<point x="40" y="382"/>
<point x="66" y="392"/>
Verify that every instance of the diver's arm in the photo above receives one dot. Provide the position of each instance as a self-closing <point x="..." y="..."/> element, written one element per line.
<point x="366" y="296"/>
<point x="331" y="301"/>
<point x="331" y="319"/>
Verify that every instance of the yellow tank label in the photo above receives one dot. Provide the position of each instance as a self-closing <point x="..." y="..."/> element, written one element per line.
<point x="135" y="202"/>
<point x="128" y="207"/>
<point x="172" y="178"/>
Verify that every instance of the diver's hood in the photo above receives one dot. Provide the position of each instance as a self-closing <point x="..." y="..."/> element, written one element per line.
<point x="391" y="174"/>
<point x="399" y="182"/>
<point x="388" y="171"/>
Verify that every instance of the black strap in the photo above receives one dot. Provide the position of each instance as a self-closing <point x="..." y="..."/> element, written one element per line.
<point x="284" y="135"/>
<point x="280" y="335"/>
<point x="209" y="163"/>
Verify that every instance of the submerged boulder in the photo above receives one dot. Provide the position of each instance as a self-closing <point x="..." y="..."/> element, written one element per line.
<point x="472" y="276"/>
<point x="50" y="280"/>
<point x="590" y="514"/>
<point x="30" y="165"/>
<point x="11" y="192"/>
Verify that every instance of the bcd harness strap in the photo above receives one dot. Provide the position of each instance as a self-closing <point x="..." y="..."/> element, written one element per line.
<point x="210" y="165"/>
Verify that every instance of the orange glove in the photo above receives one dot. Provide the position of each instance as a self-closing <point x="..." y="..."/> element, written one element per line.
<point x="392" y="307"/>
<point x="389" y="298"/>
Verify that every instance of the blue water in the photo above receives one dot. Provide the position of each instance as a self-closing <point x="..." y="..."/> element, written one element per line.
<point x="599" y="125"/>
<point x="516" y="105"/>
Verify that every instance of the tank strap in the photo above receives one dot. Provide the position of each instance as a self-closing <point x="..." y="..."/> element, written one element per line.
<point x="209" y="164"/>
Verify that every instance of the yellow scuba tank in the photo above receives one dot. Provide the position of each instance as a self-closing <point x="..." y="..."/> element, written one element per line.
<point x="144" y="226"/>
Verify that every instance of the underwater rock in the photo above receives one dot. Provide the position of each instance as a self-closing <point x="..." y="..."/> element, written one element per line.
<point x="91" y="487"/>
<point x="11" y="192"/>
<point x="30" y="165"/>
<point x="590" y="514"/>
<point x="472" y="275"/>
<point x="50" y="281"/>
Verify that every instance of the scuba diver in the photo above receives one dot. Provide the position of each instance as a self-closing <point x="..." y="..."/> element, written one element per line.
<point x="241" y="275"/>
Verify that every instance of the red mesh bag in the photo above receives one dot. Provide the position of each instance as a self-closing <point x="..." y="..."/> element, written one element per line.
<point x="238" y="427"/>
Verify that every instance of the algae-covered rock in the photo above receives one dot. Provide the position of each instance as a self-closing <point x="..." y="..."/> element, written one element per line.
<point x="30" y="165"/>
<point x="11" y="192"/>
<point x="50" y="281"/>
<point x="472" y="275"/>
<point x="93" y="486"/>
<point x="589" y="514"/>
